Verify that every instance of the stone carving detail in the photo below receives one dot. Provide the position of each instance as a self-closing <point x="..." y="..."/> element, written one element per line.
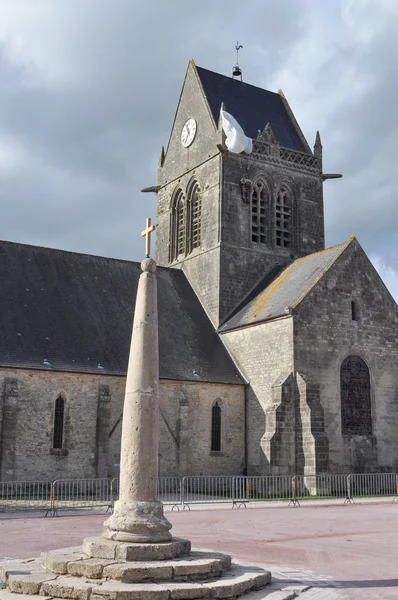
<point x="246" y="189"/>
<point x="299" y="158"/>
<point x="267" y="135"/>
<point x="266" y="147"/>
<point x="10" y="387"/>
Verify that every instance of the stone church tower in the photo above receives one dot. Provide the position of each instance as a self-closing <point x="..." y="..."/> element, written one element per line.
<point x="228" y="219"/>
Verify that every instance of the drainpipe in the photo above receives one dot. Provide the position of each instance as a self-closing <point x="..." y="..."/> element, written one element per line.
<point x="245" y="418"/>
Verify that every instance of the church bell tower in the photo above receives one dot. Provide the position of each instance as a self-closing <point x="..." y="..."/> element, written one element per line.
<point x="229" y="220"/>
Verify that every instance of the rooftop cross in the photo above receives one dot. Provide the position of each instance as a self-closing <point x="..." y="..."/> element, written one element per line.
<point x="147" y="233"/>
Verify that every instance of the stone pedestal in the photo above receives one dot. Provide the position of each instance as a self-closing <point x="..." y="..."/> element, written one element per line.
<point x="138" y="515"/>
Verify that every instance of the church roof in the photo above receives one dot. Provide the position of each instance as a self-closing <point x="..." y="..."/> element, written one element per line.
<point x="283" y="288"/>
<point x="251" y="106"/>
<point x="75" y="311"/>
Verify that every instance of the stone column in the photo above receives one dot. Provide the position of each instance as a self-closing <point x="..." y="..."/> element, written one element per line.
<point x="138" y="515"/>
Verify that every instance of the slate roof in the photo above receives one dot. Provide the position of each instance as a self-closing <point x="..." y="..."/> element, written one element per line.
<point x="251" y="106"/>
<point x="75" y="311"/>
<point x="283" y="287"/>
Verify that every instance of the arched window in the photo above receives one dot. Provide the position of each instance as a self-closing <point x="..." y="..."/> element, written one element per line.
<point x="258" y="210"/>
<point x="216" y="427"/>
<point x="283" y="218"/>
<point x="194" y="215"/>
<point x="177" y="227"/>
<point x="356" y="408"/>
<point x="58" y="436"/>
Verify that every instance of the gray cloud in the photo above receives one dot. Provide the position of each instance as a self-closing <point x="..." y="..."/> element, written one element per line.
<point x="88" y="93"/>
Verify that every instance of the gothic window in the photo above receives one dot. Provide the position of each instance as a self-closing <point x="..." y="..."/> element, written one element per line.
<point x="58" y="436"/>
<point x="216" y="427"/>
<point x="194" y="210"/>
<point x="258" y="208"/>
<point x="177" y="227"/>
<point x="356" y="409"/>
<point x="283" y="214"/>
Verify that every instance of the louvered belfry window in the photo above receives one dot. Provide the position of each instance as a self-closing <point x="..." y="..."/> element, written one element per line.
<point x="177" y="227"/>
<point x="216" y="428"/>
<point x="58" y="436"/>
<point x="283" y="218"/>
<point x="195" y="215"/>
<point x="356" y="405"/>
<point x="258" y="210"/>
<point x="180" y="227"/>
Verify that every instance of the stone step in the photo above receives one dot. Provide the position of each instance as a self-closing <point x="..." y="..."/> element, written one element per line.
<point x="196" y="565"/>
<point x="7" y="567"/>
<point x="234" y="582"/>
<point x="100" y="547"/>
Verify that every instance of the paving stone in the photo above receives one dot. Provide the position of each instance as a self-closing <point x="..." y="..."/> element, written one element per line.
<point x="102" y="548"/>
<point x="296" y="587"/>
<point x="279" y="595"/>
<point x="67" y="587"/>
<point x="161" y="551"/>
<point x="138" y="571"/>
<point x="196" y="567"/>
<point x="7" y="595"/>
<point x="26" y="566"/>
<point x="238" y="581"/>
<point x="97" y="547"/>
<point x="126" y="591"/>
<point x="187" y="591"/>
<point x="89" y="567"/>
<point x="28" y="584"/>
<point x="57" y="561"/>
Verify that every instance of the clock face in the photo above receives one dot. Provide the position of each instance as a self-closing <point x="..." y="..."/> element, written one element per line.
<point x="188" y="133"/>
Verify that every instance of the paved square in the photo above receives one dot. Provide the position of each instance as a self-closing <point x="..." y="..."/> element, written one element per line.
<point x="321" y="552"/>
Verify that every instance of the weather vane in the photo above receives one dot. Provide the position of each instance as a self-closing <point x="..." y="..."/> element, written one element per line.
<point x="237" y="71"/>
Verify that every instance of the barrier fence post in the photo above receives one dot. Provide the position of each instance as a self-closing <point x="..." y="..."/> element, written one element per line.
<point x="183" y="494"/>
<point x="52" y="509"/>
<point x="240" y="484"/>
<point x="293" y="499"/>
<point x="349" y="498"/>
<point x="396" y="488"/>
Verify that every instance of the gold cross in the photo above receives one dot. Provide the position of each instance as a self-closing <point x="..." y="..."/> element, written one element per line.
<point x="147" y="233"/>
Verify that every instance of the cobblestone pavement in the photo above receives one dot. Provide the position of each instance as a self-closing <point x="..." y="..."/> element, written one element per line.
<point x="318" y="552"/>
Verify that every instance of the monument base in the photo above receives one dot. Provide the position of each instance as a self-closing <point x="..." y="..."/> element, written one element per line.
<point x="121" y="574"/>
<point x="137" y="522"/>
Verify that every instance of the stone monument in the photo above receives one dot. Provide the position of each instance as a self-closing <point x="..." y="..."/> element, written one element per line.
<point x="138" y="515"/>
<point x="136" y="558"/>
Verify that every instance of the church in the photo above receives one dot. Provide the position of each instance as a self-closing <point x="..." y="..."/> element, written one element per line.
<point x="277" y="356"/>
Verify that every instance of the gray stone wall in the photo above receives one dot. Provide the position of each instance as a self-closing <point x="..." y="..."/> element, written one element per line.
<point x="325" y="334"/>
<point x="185" y="429"/>
<point x="92" y="426"/>
<point x="202" y="264"/>
<point x="264" y="352"/>
<point x="28" y="399"/>
<point x="201" y="160"/>
<point x="228" y="264"/>
<point x="243" y="261"/>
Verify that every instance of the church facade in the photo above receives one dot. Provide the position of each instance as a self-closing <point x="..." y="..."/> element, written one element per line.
<point x="277" y="356"/>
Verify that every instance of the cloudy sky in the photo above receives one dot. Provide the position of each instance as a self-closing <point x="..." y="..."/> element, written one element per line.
<point x="88" y="91"/>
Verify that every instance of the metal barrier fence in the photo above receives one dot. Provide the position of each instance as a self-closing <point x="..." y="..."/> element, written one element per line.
<point x="169" y="490"/>
<point x="184" y="492"/>
<point x="24" y="495"/>
<point x="81" y="493"/>
<point x="330" y="485"/>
